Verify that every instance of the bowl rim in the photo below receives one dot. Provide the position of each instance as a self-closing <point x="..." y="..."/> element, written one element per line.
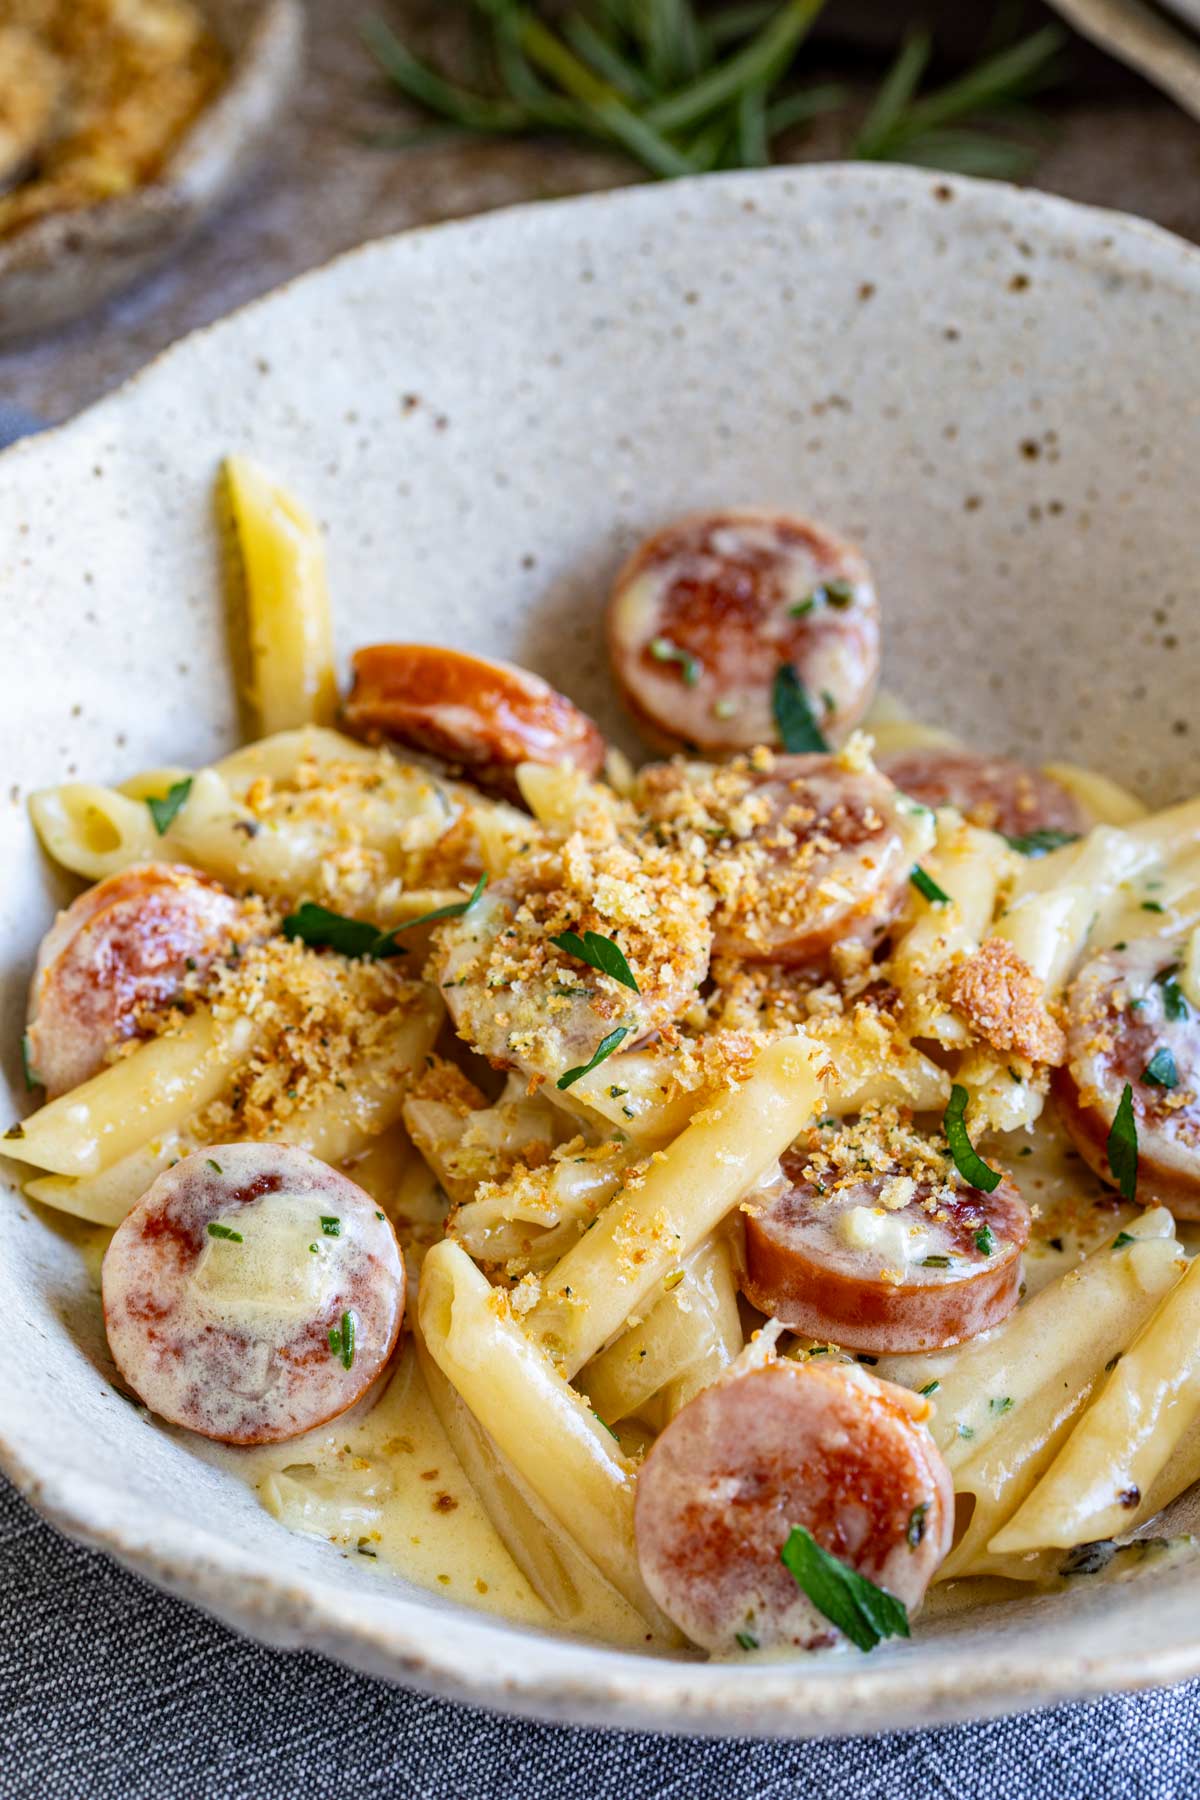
<point x="469" y="1656"/>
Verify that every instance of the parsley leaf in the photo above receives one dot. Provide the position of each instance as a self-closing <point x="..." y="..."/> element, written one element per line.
<point x="664" y="651"/>
<point x="604" y="1048"/>
<point x="224" y="1231"/>
<point x="1122" y="1147"/>
<point x="1175" y="1005"/>
<point x="1040" y="843"/>
<point x="931" y="1387"/>
<point x="326" y="930"/>
<point x="1122" y="1238"/>
<point x="794" y="721"/>
<point x="745" y="1640"/>
<point x="598" y="953"/>
<point x="341" y="1340"/>
<point x="1161" y="1071"/>
<point x="928" y="887"/>
<point x="967" y="1161"/>
<point x="163" y="810"/>
<point x="838" y="594"/>
<point x="864" y="1612"/>
<point x="32" y="1078"/>
<point x="985" y="1243"/>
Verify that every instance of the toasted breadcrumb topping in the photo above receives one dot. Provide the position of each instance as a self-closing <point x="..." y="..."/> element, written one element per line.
<point x="998" y="993"/>
<point x="882" y="1143"/>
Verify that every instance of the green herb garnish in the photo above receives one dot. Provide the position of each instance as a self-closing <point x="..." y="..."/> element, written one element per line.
<point x="326" y="930"/>
<point x="163" y="810"/>
<point x="1161" y="1071"/>
<point x="664" y="651"/>
<point x="794" y="721"/>
<point x="600" y="953"/>
<point x="1122" y="1238"/>
<point x="985" y="1243"/>
<point x="1000" y="1404"/>
<point x="745" y="1640"/>
<point x="341" y="1340"/>
<point x="863" y="1612"/>
<point x="1122" y="1147"/>
<point x="1040" y="843"/>
<point x="365" y="1547"/>
<point x="331" y="1225"/>
<point x="1175" y="1004"/>
<point x="1155" y="906"/>
<point x="916" y="1524"/>
<point x="604" y="1048"/>
<point x="935" y="1262"/>
<point x="214" y="1165"/>
<point x="224" y="1231"/>
<point x="969" y="1164"/>
<point x="838" y="594"/>
<point x="931" y="1387"/>
<point x="966" y="1432"/>
<point x="928" y="887"/>
<point x="32" y="1078"/>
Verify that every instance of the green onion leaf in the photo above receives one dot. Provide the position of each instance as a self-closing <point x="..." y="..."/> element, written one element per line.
<point x="224" y="1231"/>
<point x="969" y="1164"/>
<point x="604" y="1048"/>
<point x="745" y="1640"/>
<point x="931" y="1387"/>
<point x="794" y="721"/>
<point x="1161" y="1071"/>
<point x="927" y="886"/>
<point x="863" y="1612"/>
<point x="600" y="953"/>
<point x="664" y="651"/>
<point x="341" y="1340"/>
<point x="916" y="1524"/>
<point x="331" y="1225"/>
<point x="1040" y="843"/>
<point x="163" y="810"/>
<point x="1123" y="1146"/>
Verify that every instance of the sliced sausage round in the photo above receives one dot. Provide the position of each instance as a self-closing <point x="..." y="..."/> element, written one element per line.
<point x="804" y="854"/>
<point x="829" y="1448"/>
<point x="525" y="1002"/>
<point x="1128" y="1021"/>
<point x="123" y="945"/>
<point x="252" y="1293"/>
<point x="706" y="612"/>
<point x="873" y="1241"/>
<point x="989" y="791"/>
<point x="485" y="717"/>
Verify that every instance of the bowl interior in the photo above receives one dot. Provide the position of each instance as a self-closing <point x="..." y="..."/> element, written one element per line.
<point x="995" y="393"/>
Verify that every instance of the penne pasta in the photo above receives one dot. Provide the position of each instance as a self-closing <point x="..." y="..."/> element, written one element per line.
<point x="543" y="1428"/>
<point x="645" y="1232"/>
<point x="287" y="601"/>
<point x="93" y="831"/>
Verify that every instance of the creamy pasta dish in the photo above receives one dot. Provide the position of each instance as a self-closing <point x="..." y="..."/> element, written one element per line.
<point x="708" y="1205"/>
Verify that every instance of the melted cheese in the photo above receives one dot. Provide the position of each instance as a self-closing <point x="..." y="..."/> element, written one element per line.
<point x="280" y="1269"/>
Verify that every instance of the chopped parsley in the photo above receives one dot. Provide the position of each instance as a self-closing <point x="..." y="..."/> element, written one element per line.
<point x="1122" y="1147"/>
<point x="797" y="727"/>
<point x="1161" y="1071"/>
<point x="224" y="1231"/>
<point x="931" y="1387"/>
<point x="966" y="1432"/>
<point x="967" y="1161"/>
<point x="916" y="1524"/>
<point x="928" y="887"/>
<point x="1040" y="843"/>
<point x="1175" y="1006"/>
<point x="1000" y="1404"/>
<point x="214" y="1165"/>
<point x="935" y="1262"/>
<point x="838" y="594"/>
<point x="341" y="1340"/>
<point x="32" y="1078"/>
<point x="985" y="1243"/>
<point x="164" y="807"/>
<point x="745" y="1640"/>
<point x="598" y="952"/>
<point x="603" y="1049"/>
<point x="864" y="1612"/>
<point x="365" y="1547"/>
<point x="664" y="651"/>
<point x="1153" y="906"/>
<point x="331" y="1225"/>
<point x="1122" y="1238"/>
<point x="326" y="930"/>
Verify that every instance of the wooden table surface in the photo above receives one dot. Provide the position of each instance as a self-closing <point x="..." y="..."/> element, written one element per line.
<point x="325" y="189"/>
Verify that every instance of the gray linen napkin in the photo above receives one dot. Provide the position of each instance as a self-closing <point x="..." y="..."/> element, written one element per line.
<point x="110" y="1690"/>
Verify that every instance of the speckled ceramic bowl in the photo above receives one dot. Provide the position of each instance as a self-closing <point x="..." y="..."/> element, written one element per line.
<point x="997" y="393"/>
<point x="69" y="262"/>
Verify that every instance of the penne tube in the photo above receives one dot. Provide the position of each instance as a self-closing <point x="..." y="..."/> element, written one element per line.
<point x="969" y="865"/>
<point x="1123" y="1442"/>
<point x="95" y="831"/>
<point x="532" y="1536"/>
<point x="147" y="1094"/>
<point x="689" y="1335"/>
<point x="541" y="1426"/>
<point x="646" y="1231"/>
<point x="1105" y="802"/>
<point x="107" y="1198"/>
<point x="1008" y="1402"/>
<point x="287" y="601"/>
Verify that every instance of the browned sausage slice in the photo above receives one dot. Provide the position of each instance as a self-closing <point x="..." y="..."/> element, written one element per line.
<point x="705" y="612"/>
<point x="1124" y="1011"/>
<point x="989" y="791"/>
<point x="124" y="945"/>
<point x="252" y="1293"/>
<point x="906" y="1258"/>
<point x="485" y="716"/>
<point x="826" y="1447"/>
<point x="805" y="854"/>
